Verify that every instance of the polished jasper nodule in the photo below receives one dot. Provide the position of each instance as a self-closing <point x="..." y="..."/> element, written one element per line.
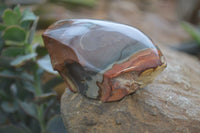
<point x="101" y="59"/>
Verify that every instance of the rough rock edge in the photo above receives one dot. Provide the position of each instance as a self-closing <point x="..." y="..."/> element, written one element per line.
<point x="170" y="104"/>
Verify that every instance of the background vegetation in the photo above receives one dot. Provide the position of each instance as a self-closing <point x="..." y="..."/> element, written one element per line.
<point x="28" y="104"/>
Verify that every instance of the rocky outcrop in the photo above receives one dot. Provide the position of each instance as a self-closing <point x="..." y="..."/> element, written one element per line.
<point x="170" y="104"/>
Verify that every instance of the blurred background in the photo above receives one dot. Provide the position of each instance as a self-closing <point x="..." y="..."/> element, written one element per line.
<point x="159" y="19"/>
<point x="33" y="105"/>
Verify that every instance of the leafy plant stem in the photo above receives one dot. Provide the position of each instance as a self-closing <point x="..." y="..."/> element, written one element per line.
<point x="38" y="92"/>
<point x="40" y="110"/>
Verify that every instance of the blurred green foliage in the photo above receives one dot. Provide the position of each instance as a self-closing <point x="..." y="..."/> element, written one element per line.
<point x="27" y="105"/>
<point x="88" y="3"/>
<point x="192" y="31"/>
<point x="74" y="3"/>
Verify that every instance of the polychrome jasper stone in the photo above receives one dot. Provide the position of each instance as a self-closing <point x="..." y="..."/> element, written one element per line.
<point x="102" y="60"/>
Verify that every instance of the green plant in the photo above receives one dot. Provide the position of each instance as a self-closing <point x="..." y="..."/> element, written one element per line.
<point x="88" y="3"/>
<point x="192" y="31"/>
<point x="27" y="104"/>
<point x="77" y="3"/>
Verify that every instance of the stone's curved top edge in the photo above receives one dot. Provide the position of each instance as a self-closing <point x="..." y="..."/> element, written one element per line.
<point x="117" y="27"/>
<point x="97" y="42"/>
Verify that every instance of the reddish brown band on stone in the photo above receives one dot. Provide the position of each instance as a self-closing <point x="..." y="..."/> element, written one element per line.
<point x="138" y="63"/>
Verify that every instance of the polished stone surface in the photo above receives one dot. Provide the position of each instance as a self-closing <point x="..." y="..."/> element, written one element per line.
<point x="102" y="60"/>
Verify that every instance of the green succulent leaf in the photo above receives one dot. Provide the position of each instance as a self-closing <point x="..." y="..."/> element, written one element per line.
<point x="29" y="109"/>
<point x="10" y="17"/>
<point x="45" y="97"/>
<point x="26" y="25"/>
<point x="55" y="125"/>
<point x="21" y="59"/>
<point x="15" y="75"/>
<point x="11" y="129"/>
<point x="2" y="27"/>
<point x="28" y="18"/>
<point x="27" y="15"/>
<point x="8" y="74"/>
<point x="14" y="33"/>
<point x="9" y="107"/>
<point x="26" y="76"/>
<point x="45" y="64"/>
<point x="12" y="51"/>
<point x="17" y="10"/>
<point x="29" y="86"/>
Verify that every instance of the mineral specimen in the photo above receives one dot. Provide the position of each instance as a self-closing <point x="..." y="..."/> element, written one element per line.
<point x="102" y="60"/>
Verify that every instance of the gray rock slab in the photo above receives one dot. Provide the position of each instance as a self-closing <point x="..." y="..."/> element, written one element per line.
<point x="170" y="104"/>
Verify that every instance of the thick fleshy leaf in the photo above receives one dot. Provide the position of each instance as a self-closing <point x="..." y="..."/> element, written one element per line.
<point x="45" y="63"/>
<point x="9" y="107"/>
<point x="14" y="75"/>
<point x="21" y="59"/>
<point x="2" y="27"/>
<point x="29" y="86"/>
<point x="14" y="33"/>
<point x="28" y="15"/>
<point x="8" y="74"/>
<point x="26" y="25"/>
<point x="45" y="97"/>
<point x="55" y="125"/>
<point x="12" y="51"/>
<point x="27" y="20"/>
<point x="10" y="17"/>
<point x="26" y="76"/>
<point x="29" y="109"/>
<point x="17" y="10"/>
<point x="11" y="129"/>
